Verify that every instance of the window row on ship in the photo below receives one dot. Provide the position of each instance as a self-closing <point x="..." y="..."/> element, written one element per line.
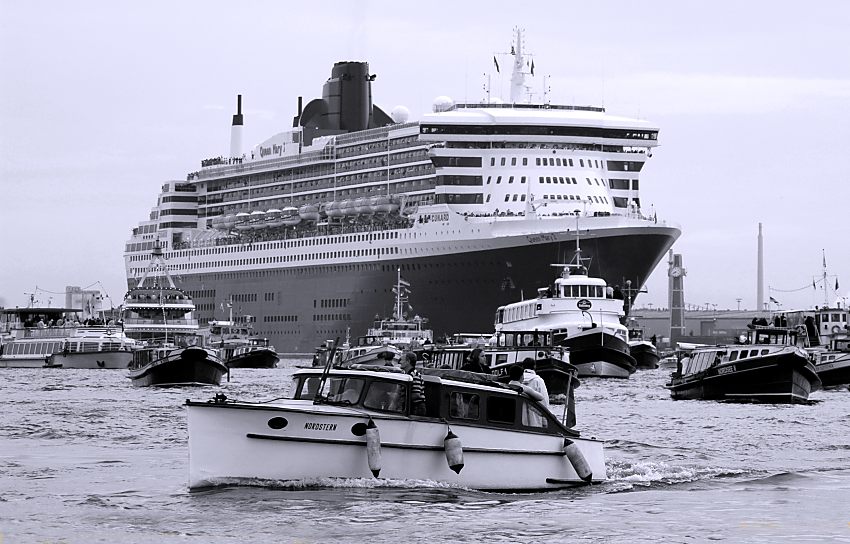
<point x="307" y="190"/>
<point x="541" y="130"/>
<point x="306" y="172"/>
<point x="603" y="148"/>
<point x="422" y="183"/>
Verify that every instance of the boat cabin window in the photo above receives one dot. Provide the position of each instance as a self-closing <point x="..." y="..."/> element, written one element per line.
<point x="501" y="410"/>
<point x="464" y="405"/>
<point x="733" y="356"/>
<point x="385" y="396"/>
<point x="343" y="390"/>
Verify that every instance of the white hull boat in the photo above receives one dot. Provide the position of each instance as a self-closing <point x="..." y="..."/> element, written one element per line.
<point x="455" y="442"/>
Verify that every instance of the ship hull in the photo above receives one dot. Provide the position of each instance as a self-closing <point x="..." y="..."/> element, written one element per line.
<point x="458" y="290"/>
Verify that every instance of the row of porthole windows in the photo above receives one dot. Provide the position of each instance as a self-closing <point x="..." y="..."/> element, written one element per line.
<point x="547" y="161"/>
<point x="280" y="318"/>
<point x="332" y="317"/>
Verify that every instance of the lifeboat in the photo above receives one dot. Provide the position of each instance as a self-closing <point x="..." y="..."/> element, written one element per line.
<point x="386" y="204"/>
<point x="229" y="221"/>
<point x="309" y="212"/>
<point x="274" y="218"/>
<point x="348" y="208"/>
<point x="289" y="216"/>
<point x="218" y="222"/>
<point x="334" y="209"/>
<point x="242" y="221"/>
<point x="361" y="206"/>
<point x="258" y="220"/>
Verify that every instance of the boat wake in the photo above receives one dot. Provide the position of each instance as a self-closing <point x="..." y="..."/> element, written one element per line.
<point x="626" y="476"/>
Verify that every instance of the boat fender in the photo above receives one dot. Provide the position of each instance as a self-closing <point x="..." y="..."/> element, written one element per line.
<point x="373" y="448"/>
<point x="577" y="460"/>
<point x="454" y="451"/>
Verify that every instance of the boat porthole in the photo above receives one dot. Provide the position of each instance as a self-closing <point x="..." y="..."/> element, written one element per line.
<point x="358" y="429"/>
<point x="278" y="422"/>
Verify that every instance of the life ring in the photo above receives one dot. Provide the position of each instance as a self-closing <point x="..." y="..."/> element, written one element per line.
<point x="836" y="329"/>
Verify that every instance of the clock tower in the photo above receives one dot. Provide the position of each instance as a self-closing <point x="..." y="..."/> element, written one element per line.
<point x="676" y="274"/>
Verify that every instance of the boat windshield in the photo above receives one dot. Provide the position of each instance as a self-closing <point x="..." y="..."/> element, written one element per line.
<point x="374" y="394"/>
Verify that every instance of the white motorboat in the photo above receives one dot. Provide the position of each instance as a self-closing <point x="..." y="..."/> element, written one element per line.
<point x="357" y="423"/>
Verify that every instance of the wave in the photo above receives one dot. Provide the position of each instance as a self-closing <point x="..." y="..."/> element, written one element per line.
<point x="647" y="473"/>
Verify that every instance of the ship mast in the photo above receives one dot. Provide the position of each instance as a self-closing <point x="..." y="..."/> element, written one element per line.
<point x="518" y="86"/>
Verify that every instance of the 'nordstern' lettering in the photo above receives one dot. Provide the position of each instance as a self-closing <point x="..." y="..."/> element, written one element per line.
<point x="320" y="426"/>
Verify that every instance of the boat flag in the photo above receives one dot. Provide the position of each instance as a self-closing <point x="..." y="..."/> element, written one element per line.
<point x="532" y="66"/>
<point x="513" y="51"/>
<point x="773" y="300"/>
<point x="497" y="64"/>
<point x="836" y="284"/>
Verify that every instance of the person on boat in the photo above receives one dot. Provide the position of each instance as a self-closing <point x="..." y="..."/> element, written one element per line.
<point x="532" y="380"/>
<point x="475" y="363"/>
<point x="530" y="416"/>
<point x="417" y="388"/>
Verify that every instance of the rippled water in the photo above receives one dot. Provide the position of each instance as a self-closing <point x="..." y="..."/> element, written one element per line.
<point x="86" y="457"/>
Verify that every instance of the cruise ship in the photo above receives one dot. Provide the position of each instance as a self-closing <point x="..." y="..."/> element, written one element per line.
<point x="471" y="204"/>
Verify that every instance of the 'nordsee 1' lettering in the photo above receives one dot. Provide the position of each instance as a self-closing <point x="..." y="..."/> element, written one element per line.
<point x="320" y="426"/>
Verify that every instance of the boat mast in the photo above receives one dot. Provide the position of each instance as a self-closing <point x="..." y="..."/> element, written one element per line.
<point x="398" y="295"/>
<point x="825" y="284"/>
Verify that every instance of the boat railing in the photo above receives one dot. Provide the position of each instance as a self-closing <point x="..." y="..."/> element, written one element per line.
<point x="160" y="321"/>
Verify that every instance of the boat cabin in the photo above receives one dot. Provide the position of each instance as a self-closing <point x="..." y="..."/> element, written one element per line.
<point x="454" y="396"/>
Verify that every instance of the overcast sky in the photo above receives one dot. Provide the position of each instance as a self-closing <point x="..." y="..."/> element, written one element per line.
<point x="102" y="102"/>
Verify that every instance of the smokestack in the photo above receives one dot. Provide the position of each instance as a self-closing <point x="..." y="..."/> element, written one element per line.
<point x="760" y="273"/>
<point x="236" y="130"/>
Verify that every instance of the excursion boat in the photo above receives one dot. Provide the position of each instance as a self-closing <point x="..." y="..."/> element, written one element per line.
<point x="237" y="344"/>
<point x="359" y="423"/>
<point x="95" y="347"/>
<point x="825" y="332"/>
<point x="472" y="200"/>
<point x="53" y="338"/>
<point x="161" y="316"/>
<point x="768" y="366"/>
<point x="583" y="314"/>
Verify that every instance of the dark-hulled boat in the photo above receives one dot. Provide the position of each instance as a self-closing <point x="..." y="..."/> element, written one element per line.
<point x="238" y="345"/>
<point x="643" y="351"/>
<point x="254" y="353"/>
<point x="166" y="365"/>
<point x="767" y="367"/>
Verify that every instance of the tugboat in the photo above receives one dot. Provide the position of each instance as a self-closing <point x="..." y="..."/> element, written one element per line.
<point x="153" y="312"/>
<point x="766" y="366"/>
<point x="583" y="314"/>
<point x="644" y="351"/>
<point x="238" y="346"/>
<point x="360" y="423"/>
